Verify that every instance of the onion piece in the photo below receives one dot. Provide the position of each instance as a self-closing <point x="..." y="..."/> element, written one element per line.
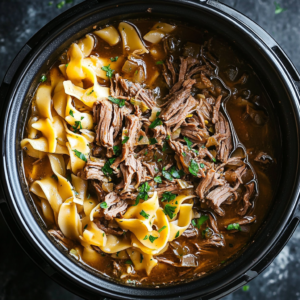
<point x="109" y="35"/>
<point x="140" y="104"/>
<point x="154" y="36"/>
<point x="184" y="184"/>
<point x="139" y="75"/>
<point x="97" y="160"/>
<point x="189" y="260"/>
<point x="211" y="142"/>
<point x="129" y="67"/>
<point x="175" y="135"/>
<point x="153" y="116"/>
<point x="107" y="187"/>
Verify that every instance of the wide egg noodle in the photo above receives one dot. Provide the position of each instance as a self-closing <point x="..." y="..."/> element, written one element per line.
<point x="86" y="45"/>
<point x="88" y="134"/>
<point x="69" y="220"/>
<point x="46" y="188"/>
<point x="74" y="70"/>
<point x="131" y="39"/>
<point x="76" y="142"/>
<point x="142" y="261"/>
<point x="109" y="34"/>
<point x="178" y="226"/>
<point x="115" y="244"/>
<point x="40" y="146"/>
<point x="85" y="119"/>
<point x="43" y="100"/>
<point x="94" y="235"/>
<point x="80" y="189"/>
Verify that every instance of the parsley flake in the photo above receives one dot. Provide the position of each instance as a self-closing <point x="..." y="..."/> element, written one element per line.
<point x="106" y="169"/>
<point x="143" y="193"/>
<point x="153" y="141"/>
<point x="144" y="214"/>
<point x="80" y="155"/>
<point x="168" y="196"/>
<point x="108" y="70"/>
<point x="188" y="143"/>
<point x="152" y="238"/>
<point x="159" y="62"/>
<point x="117" y="150"/>
<point x="43" y="78"/>
<point x="119" y="102"/>
<point x="234" y="226"/>
<point x="90" y="93"/>
<point x="114" y="58"/>
<point x="157" y="179"/>
<point x="194" y="168"/>
<point x="278" y="8"/>
<point x="155" y="123"/>
<point x="177" y="234"/>
<point x="169" y="210"/>
<point x="103" y="205"/>
<point x="160" y="230"/>
<point x="201" y="221"/>
<point x="125" y="140"/>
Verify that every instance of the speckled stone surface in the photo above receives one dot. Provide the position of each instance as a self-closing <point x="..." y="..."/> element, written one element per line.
<point x="20" y="278"/>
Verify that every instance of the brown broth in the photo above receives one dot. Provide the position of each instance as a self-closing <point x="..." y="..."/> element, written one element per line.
<point x="255" y="138"/>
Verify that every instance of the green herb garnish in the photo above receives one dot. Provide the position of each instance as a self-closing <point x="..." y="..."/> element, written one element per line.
<point x="103" y="204"/>
<point x="160" y="159"/>
<point x="80" y="155"/>
<point x="169" y="210"/>
<point x="160" y="230"/>
<point x="119" y="102"/>
<point x="177" y="234"/>
<point x="144" y="214"/>
<point x="125" y="140"/>
<point x="278" y="8"/>
<point x="117" y="150"/>
<point x="168" y="196"/>
<point x="246" y="288"/>
<point x="140" y="138"/>
<point x="167" y="175"/>
<point x="193" y="168"/>
<point x="157" y="179"/>
<point x="114" y="58"/>
<point x="188" y="143"/>
<point x="153" y="141"/>
<point x="106" y="169"/>
<point x="234" y="226"/>
<point x="152" y="238"/>
<point x="143" y="193"/>
<point x="142" y="257"/>
<point x="174" y="172"/>
<point x="183" y="154"/>
<point x="202" y="166"/>
<point x="201" y="221"/>
<point x="159" y="62"/>
<point x="54" y="177"/>
<point x="194" y="223"/>
<point x="128" y="262"/>
<point x="90" y="93"/>
<point x="43" y="78"/>
<point x="145" y="238"/>
<point x="155" y="123"/>
<point x="108" y="70"/>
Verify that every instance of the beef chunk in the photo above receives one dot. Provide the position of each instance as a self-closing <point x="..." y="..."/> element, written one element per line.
<point x="59" y="237"/>
<point x="93" y="170"/>
<point x="115" y="206"/>
<point x="194" y="133"/>
<point x="103" y="225"/>
<point x="250" y="189"/>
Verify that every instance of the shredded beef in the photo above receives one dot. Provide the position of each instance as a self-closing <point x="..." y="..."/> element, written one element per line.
<point x="115" y="206"/>
<point x="104" y="227"/>
<point x="250" y="189"/>
<point x="93" y="170"/>
<point x="58" y="236"/>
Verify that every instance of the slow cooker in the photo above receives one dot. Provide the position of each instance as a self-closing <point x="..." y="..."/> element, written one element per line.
<point x="278" y="76"/>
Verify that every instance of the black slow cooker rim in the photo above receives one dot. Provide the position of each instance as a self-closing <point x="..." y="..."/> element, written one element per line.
<point x="132" y="292"/>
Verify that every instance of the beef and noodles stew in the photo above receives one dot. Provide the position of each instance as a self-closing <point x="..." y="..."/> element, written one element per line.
<point x="151" y="151"/>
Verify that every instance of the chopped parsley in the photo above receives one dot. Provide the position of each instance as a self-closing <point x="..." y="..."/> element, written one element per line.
<point x="119" y="102"/>
<point x="80" y="155"/>
<point x="81" y="118"/>
<point x="246" y="288"/>
<point x="146" y="237"/>
<point x="213" y="159"/>
<point x="142" y="257"/>
<point x="153" y="141"/>
<point x="202" y="166"/>
<point x="168" y="137"/>
<point x="125" y="140"/>
<point x="103" y="204"/>
<point x="114" y="58"/>
<point x="175" y="173"/>
<point x="188" y="143"/>
<point x="117" y="150"/>
<point x="54" y="177"/>
<point x="177" y="234"/>
<point x="160" y="159"/>
<point x="201" y="221"/>
<point x="75" y="127"/>
<point x="43" y="78"/>
<point x="196" y="151"/>
<point x="144" y="214"/>
<point x="90" y="93"/>
<point x="108" y="70"/>
<point x="158" y="113"/>
<point x="140" y="138"/>
<point x="106" y="169"/>
<point x="84" y="228"/>
<point x="160" y="230"/>
<point x="168" y="196"/>
<point x="194" y="223"/>
<point x="155" y="123"/>
<point x="234" y="226"/>
<point x="128" y="262"/>
<point x="71" y="113"/>
<point x="165" y="147"/>
<point x="143" y="192"/>
<point x="278" y="8"/>
<point x="157" y="179"/>
<point x="159" y="62"/>
<point x="67" y="65"/>
<point x="183" y="154"/>
<point x="167" y="175"/>
<point x="146" y="152"/>
<point x="169" y="210"/>
<point x="152" y="238"/>
<point x="193" y="168"/>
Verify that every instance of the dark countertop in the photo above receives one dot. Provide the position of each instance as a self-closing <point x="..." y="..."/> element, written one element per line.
<point x="20" y="278"/>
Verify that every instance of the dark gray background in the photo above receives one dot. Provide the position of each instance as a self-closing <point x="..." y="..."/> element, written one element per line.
<point x="20" y="278"/>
